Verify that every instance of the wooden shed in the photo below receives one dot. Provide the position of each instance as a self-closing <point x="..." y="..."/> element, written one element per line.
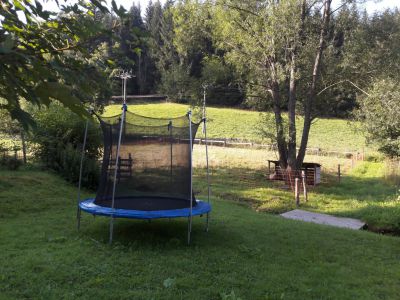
<point x="312" y="172"/>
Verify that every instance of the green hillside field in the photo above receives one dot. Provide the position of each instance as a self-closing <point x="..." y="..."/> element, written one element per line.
<point x="326" y="134"/>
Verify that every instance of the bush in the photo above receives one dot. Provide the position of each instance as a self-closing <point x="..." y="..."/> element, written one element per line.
<point x="379" y="113"/>
<point x="10" y="162"/>
<point x="57" y="143"/>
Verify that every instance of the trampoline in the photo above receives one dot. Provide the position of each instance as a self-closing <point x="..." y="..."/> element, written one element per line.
<point x="146" y="171"/>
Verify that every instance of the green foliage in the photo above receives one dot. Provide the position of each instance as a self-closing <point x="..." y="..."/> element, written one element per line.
<point x="10" y="162"/>
<point x="192" y="58"/>
<point x="221" y="80"/>
<point x="379" y="113"/>
<point x="44" y="56"/>
<point x="57" y="143"/>
<point x="8" y="157"/>
<point x="179" y="85"/>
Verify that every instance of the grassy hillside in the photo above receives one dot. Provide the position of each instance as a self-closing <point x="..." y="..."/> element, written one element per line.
<point x="327" y="134"/>
<point x="246" y="255"/>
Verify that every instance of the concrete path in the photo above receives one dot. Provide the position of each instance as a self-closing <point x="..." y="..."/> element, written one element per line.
<point x="307" y="216"/>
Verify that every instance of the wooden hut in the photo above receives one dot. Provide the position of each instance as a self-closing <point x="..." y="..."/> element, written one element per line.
<point x="312" y="172"/>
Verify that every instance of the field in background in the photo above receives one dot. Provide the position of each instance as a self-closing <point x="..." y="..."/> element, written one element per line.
<point x="327" y="134"/>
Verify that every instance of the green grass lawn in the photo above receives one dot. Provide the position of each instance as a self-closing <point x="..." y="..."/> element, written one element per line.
<point x="246" y="254"/>
<point x="327" y="134"/>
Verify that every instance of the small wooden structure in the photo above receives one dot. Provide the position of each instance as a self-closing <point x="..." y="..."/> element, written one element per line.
<point x="312" y="173"/>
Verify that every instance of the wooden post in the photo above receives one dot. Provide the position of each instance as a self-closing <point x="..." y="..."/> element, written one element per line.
<point x="315" y="176"/>
<point x="303" y="175"/>
<point x="297" y="191"/>
<point x="130" y="161"/>
<point x="338" y="170"/>
<point x="352" y="161"/>
<point x="23" y="145"/>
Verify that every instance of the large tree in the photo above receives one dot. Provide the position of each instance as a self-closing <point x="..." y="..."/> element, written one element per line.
<point x="281" y="45"/>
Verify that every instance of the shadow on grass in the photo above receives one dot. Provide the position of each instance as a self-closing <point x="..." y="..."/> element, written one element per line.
<point x="158" y="233"/>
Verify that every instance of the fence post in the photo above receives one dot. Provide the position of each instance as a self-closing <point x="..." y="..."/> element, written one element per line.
<point x="303" y="175"/>
<point x="296" y="191"/>
<point x="23" y="146"/>
<point x="338" y="170"/>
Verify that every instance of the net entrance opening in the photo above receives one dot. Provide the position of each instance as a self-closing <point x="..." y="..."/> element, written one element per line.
<point x="154" y="168"/>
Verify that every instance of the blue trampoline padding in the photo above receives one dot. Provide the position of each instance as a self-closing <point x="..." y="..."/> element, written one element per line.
<point x="89" y="207"/>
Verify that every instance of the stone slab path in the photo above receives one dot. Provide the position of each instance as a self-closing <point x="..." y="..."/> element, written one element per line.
<point x="325" y="219"/>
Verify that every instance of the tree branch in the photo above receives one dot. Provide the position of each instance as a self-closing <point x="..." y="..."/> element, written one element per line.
<point x="339" y="82"/>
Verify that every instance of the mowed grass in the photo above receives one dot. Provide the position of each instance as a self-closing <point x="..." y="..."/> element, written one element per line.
<point x="326" y="134"/>
<point x="245" y="255"/>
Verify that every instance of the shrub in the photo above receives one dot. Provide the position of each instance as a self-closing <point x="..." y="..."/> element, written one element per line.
<point x="379" y="113"/>
<point x="57" y="143"/>
<point x="10" y="162"/>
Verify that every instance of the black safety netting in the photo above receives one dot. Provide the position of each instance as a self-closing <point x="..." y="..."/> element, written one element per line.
<point x="154" y="168"/>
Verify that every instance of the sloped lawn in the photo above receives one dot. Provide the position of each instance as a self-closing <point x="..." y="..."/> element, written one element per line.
<point x="246" y="255"/>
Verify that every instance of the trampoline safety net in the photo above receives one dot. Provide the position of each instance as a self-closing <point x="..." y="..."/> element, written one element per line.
<point x="154" y="168"/>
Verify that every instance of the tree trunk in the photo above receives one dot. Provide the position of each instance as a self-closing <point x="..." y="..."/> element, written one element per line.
<point x="280" y="132"/>
<point x="292" y="115"/>
<point x="311" y="92"/>
<point x="292" y="143"/>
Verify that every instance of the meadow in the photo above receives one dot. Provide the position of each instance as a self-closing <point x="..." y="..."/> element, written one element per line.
<point x="326" y="134"/>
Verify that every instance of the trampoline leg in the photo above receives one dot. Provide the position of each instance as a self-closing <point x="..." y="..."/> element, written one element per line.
<point x="111" y="229"/>
<point x="207" y="221"/>
<point x="189" y="229"/>
<point x="78" y="216"/>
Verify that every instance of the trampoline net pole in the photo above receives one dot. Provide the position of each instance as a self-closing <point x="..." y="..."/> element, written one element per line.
<point x="116" y="168"/>
<point x="206" y="146"/>
<point x="191" y="175"/>
<point x="81" y="171"/>
<point x="171" y="146"/>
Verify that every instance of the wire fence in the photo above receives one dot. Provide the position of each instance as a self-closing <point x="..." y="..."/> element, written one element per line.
<point x="317" y="151"/>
